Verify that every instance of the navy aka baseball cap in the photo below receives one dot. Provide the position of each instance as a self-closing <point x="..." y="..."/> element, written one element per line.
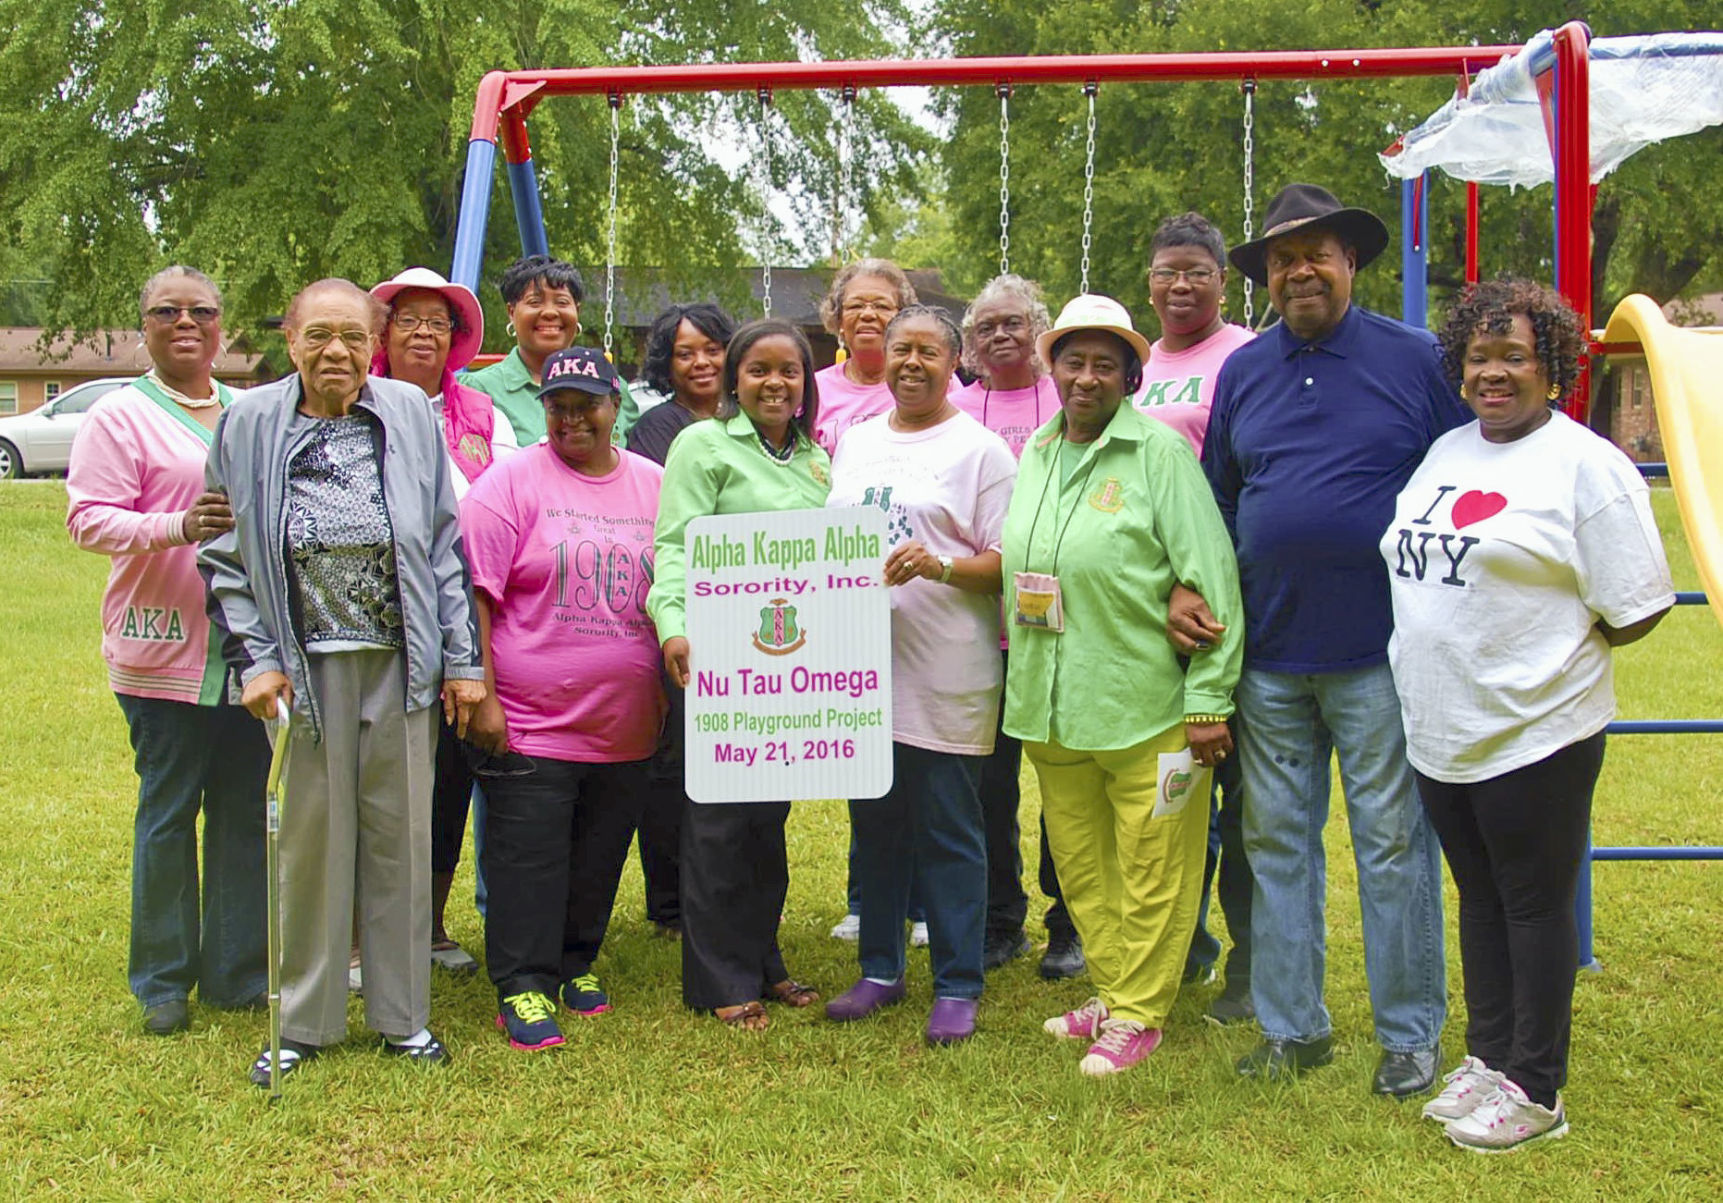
<point x="583" y="368"/>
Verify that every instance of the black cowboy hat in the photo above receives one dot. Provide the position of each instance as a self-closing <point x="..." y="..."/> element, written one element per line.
<point x="1298" y="205"/>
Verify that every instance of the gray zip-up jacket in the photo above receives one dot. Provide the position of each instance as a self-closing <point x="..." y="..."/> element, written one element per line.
<point x="252" y="598"/>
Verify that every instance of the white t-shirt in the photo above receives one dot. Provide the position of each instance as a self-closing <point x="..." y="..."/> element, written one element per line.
<point x="1501" y="559"/>
<point x="948" y="486"/>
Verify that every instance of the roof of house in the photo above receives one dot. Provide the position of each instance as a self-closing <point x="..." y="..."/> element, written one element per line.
<point x="106" y="353"/>
<point x="1703" y="310"/>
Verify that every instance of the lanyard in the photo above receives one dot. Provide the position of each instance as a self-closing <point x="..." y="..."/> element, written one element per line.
<point x="1059" y="541"/>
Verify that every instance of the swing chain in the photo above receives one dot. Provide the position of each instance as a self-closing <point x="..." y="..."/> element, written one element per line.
<point x="1249" y="188"/>
<point x="1089" y="90"/>
<point x="765" y="95"/>
<point x="1004" y="91"/>
<point x="610" y="249"/>
<point x="846" y="177"/>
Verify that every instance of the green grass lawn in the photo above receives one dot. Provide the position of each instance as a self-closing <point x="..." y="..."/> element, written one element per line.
<point x="651" y="1101"/>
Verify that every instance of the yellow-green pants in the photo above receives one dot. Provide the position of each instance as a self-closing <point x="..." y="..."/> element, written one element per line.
<point x="1131" y="879"/>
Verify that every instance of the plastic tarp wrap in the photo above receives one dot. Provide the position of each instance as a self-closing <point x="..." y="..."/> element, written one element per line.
<point x="1644" y="89"/>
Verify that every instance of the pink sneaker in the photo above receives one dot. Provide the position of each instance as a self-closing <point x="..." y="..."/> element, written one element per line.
<point x="1081" y="1024"/>
<point x="1121" y="1044"/>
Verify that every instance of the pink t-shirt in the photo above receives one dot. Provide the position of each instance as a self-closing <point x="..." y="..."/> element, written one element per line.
<point x="948" y="486"/>
<point x="1013" y="414"/>
<point x="566" y="561"/>
<point x="1178" y="386"/>
<point x="843" y="403"/>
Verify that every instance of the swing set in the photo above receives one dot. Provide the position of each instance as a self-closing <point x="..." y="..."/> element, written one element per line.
<point x="1683" y="364"/>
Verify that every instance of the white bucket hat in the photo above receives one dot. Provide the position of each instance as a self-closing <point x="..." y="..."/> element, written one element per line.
<point x="465" y="342"/>
<point x="1092" y="311"/>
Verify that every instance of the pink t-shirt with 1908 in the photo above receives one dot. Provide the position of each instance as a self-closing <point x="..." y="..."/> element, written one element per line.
<point x="566" y="561"/>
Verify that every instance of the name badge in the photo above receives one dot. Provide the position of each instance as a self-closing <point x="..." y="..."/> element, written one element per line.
<point x="1039" y="603"/>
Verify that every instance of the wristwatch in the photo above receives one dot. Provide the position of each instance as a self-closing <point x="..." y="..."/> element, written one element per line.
<point x="945" y="570"/>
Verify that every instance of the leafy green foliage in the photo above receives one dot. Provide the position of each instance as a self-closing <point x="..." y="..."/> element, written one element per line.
<point x="271" y="143"/>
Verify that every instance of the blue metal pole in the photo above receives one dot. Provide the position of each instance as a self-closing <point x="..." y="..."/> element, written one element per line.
<point x="1667" y="852"/>
<point x="523" y="182"/>
<point x="475" y="212"/>
<point x="1666" y="726"/>
<point x="1414" y="251"/>
<point x="1582" y="910"/>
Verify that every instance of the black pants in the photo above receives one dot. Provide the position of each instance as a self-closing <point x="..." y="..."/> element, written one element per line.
<point x="661" y="819"/>
<point x="555" y="843"/>
<point x="735" y="876"/>
<point x="1001" y="798"/>
<point x="451" y="793"/>
<point x="1228" y="870"/>
<point x="1515" y="845"/>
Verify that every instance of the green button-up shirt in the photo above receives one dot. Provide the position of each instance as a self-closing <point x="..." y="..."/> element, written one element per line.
<point x="719" y="467"/>
<point x="512" y="389"/>
<point x="1135" y="517"/>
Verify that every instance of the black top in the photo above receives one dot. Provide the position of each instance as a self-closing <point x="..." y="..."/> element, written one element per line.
<point x="657" y="428"/>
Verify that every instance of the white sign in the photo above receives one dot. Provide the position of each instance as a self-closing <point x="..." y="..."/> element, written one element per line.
<point x="789" y="652"/>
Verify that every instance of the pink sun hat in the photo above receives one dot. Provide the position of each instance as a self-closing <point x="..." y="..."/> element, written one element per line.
<point x="465" y="342"/>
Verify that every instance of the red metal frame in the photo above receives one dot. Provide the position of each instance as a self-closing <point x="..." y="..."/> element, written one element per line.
<point x="505" y="98"/>
<point x="520" y="91"/>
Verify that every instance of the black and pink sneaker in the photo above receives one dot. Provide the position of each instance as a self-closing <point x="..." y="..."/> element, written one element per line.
<point x="529" y="1018"/>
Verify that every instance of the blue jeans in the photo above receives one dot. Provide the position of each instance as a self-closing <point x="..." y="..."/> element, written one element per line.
<point x="924" y="836"/>
<point x="213" y="758"/>
<point x="1292" y="725"/>
<point x="1228" y="869"/>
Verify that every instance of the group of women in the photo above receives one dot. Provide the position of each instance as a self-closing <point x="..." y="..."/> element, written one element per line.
<point x="377" y="535"/>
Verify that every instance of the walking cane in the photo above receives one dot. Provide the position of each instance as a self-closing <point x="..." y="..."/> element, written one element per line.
<point x="272" y="843"/>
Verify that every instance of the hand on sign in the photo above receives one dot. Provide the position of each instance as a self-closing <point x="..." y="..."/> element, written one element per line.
<point x="908" y="561"/>
<point x="676" y="660"/>
<point x="261" y="691"/>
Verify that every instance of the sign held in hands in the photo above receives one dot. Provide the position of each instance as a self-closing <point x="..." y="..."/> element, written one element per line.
<point x="789" y="649"/>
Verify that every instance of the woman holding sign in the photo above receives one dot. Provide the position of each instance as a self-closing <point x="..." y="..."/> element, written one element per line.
<point x="1110" y="512"/>
<point x="757" y="455"/>
<point x="559" y="538"/>
<point x="944" y="482"/>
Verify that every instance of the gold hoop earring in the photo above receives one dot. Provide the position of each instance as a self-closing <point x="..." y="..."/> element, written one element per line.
<point x="509" y="329"/>
<point x="1555" y="392"/>
<point x="1463" y="396"/>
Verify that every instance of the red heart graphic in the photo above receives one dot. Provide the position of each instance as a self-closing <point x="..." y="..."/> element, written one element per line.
<point x="1475" y="507"/>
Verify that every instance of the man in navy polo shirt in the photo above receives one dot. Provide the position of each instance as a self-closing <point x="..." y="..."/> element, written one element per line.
<point x="1315" y="428"/>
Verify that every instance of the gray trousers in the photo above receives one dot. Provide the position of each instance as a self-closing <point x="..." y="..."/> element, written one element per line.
<point x="357" y="822"/>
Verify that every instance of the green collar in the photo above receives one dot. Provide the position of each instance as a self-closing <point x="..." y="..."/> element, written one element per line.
<point x="174" y="410"/>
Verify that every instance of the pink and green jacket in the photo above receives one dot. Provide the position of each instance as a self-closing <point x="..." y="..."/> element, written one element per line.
<point x="137" y="466"/>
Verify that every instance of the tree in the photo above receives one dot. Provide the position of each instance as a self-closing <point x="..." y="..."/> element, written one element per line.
<point x="271" y="142"/>
<point x="1162" y="149"/>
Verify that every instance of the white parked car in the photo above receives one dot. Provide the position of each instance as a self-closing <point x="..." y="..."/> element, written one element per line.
<point x="41" y="440"/>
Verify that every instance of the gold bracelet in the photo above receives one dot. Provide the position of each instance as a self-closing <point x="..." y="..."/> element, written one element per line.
<point x="1204" y="720"/>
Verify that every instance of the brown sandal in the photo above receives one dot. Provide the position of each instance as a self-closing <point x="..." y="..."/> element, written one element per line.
<point x="746" y="1017"/>
<point x="791" y="993"/>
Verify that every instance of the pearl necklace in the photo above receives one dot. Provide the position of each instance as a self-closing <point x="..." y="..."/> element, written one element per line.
<point x="214" y="397"/>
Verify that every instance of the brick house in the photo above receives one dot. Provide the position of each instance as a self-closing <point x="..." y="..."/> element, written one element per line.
<point x="29" y="378"/>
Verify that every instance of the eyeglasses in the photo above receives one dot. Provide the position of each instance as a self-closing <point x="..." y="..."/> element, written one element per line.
<point x="317" y="337"/>
<point x="203" y="315"/>
<point x="1010" y="325"/>
<point x="1196" y="275"/>
<point x="406" y="323"/>
<point x="854" y="308"/>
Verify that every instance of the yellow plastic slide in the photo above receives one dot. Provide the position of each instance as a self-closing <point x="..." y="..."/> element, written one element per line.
<point x="1686" y="366"/>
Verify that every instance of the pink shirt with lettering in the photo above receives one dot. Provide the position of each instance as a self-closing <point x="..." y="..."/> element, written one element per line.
<point x="1178" y="386"/>
<point x="566" y="561"/>
<point x="844" y="404"/>
<point x="1014" y="413"/>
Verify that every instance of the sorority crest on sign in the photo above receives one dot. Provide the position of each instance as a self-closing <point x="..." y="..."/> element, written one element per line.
<point x="778" y="634"/>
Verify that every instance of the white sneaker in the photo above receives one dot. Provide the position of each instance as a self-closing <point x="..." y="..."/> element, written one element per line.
<point x="848" y="928"/>
<point x="1082" y="1024"/>
<point x="917" y="935"/>
<point x="1507" y="1120"/>
<point x="1468" y="1086"/>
